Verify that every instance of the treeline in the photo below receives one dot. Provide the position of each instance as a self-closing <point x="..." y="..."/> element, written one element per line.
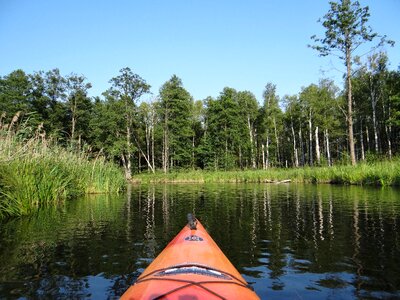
<point x="230" y="131"/>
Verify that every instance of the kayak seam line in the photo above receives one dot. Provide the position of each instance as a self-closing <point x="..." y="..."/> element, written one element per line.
<point x="193" y="265"/>
<point x="199" y="284"/>
<point x="189" y="283"/>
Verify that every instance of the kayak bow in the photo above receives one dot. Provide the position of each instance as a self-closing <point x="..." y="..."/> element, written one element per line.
<point x="192" y="266"/>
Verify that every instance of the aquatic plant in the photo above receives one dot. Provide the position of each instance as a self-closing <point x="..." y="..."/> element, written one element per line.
<point x="35" y="171"/>
<point x="384" y="173"/>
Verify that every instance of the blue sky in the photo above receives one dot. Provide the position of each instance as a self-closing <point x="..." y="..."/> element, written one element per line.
<point x="209" y="44"/>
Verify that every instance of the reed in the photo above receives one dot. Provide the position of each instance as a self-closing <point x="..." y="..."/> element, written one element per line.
<point x="384" y="173"/>
<point x="36" y="172"/>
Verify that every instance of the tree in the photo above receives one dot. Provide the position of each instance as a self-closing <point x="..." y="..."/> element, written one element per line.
<point x="346" y="30"/>
<point x="293" y="120"/>
<point x="176" y="107"/>
<point x="107" y="128"/>
<point x="391" y="109"/>
<point x="225" y="127"/>
<point x="14" y="91"/>
<point x="248" y="106"/>
<point x="147" y="119"/>
<point x="271" y="118"/>
<point x="77" y="100"/>
<point x="55" y="86"/>
<point x="128" y="88"/>
<point x="197" y="123"/>
<point x="309" y="98"/>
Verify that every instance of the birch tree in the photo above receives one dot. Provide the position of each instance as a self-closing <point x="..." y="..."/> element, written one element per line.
<point x="346" y="29"/>
<point x="128" y="87"/>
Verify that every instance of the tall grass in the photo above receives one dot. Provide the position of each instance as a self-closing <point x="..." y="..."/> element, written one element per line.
<point x="35" y="172"/>
<point x="385" y="173"/>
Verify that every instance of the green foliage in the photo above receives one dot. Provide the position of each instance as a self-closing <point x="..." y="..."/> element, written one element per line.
<point x="346" y="30"/>
<point x="229" y="132"/>
<point x="14" y="93"/>
<point x="384" y="173"/>
<point x="127" y="88"/>
<point x="175" y="111"/>
<point x="35" y="172"/>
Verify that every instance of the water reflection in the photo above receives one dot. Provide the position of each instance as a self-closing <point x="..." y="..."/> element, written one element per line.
<point x="289" y="241"/>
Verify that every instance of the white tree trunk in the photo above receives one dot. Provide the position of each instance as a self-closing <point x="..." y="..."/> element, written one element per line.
<point x="375" y="128"/>
<point x="296" y="156"/>
<point x="165" y="144"/>
<point x="362" y="143"/>
<point x="277" y="142"/>
<point x="263" y="156"/>
<point x="374" y="100"/>
<point x="267" y="154"/>
<point x="250" y="127"/>
<point x="152" y="148"/>
<point x="310" y="150"/>
<point x="127" y="157"/>
<point x="327" y="146"/>
<point x="388" y="130"/>
<point x="301" y="147"/>
<point x="317" y="151"/>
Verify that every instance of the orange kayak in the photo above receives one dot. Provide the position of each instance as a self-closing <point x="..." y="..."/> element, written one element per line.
<point x="192" y="266"/>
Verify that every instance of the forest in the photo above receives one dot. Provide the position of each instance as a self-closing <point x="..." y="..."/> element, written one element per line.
<point x="321" y="125"/>
<point x="230" y="131"/>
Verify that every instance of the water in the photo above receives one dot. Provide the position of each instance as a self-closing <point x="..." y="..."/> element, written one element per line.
<point x="288" y="241"/>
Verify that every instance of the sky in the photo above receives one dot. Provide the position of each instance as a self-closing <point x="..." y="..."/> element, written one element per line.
<point x="209" y="44"/>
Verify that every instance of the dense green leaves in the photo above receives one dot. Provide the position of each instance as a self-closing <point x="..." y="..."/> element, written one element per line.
<point x="231" y="131"/>
<point x="175" y="110"/>
<point x="14" y="93"/>
<point x="346" y="25"/>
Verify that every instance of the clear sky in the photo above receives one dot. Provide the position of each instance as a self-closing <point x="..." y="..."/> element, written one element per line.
<point x="209" y="44"/>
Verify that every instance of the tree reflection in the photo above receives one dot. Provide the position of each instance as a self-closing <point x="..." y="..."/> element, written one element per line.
<point x="288" y="240"/>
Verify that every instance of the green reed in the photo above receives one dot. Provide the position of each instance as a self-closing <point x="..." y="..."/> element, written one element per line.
<point x="36" y="172"/>
<point x="385" y="173"/>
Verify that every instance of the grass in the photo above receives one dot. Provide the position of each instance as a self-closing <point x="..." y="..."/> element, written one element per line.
<point x="35" y="172"/>
<point x="385" y="173"/>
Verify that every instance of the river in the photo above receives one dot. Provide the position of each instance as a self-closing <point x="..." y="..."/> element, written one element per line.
<point x="288" y="241"/>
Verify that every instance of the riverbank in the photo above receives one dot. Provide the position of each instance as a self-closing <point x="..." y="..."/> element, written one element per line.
<point x="385" y="173"/>
<point x="35" y="172"/>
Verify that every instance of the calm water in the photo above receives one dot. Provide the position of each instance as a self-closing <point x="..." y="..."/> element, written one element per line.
<point x="288" y="241"/>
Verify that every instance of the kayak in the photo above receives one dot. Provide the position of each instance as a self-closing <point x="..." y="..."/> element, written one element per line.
<point x="192" y="266"/>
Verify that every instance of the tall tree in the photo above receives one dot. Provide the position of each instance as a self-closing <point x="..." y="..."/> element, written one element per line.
<point x="147" y="119"/>
<point x="271" y="119"/>
<point x="176" y="107"/>
<point x="197" y="123"/>
<point x="55" y="86"/>
<point x="248" y="106"/>
<point x="77" y="100"/>
<point x="293" y="121"/>
<point x="346" y="29"/>
<point x="309" y="98"/>
<point x="128" y="87"/>
<point x="390" y="106"/>
<point x="223" y="128"/>
<point x="14" y="91"/>
<point x="107" y="128"/>
<point x="39" y="101"/>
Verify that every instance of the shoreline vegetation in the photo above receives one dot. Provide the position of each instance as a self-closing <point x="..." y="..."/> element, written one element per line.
<point x="382" y="173"/>
<point x="36" y="172"/>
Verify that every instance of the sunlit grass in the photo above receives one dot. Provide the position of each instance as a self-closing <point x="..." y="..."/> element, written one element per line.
<point x="35" y="172"/>
<point x="385" y="173"/>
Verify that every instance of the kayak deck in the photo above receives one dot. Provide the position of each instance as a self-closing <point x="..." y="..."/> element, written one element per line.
<point x="192" y="266"/>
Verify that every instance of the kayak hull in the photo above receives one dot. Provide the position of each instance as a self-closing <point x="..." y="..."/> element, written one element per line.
<point x="192" y="266"/>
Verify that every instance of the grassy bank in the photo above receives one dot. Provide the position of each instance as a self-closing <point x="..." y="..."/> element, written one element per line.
<point x="35" y="172"/>
<point x="386" y="173"/>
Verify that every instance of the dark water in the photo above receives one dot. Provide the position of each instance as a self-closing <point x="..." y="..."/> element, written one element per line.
<point x="288" y="241"/>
